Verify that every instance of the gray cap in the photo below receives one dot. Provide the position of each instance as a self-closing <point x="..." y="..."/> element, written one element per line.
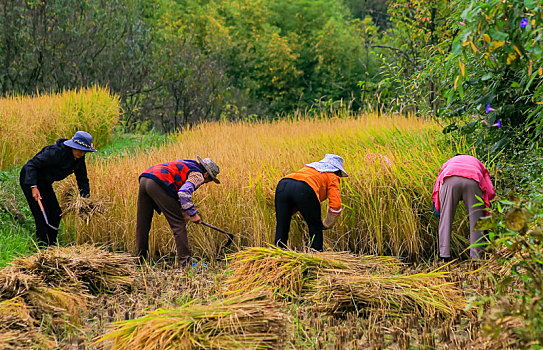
<point x="211" y="167"/>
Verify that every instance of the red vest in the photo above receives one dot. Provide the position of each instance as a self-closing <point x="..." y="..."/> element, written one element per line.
<point x="172" y="175"/>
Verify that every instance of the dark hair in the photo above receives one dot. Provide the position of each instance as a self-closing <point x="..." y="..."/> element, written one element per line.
<point x="338" y="173"/>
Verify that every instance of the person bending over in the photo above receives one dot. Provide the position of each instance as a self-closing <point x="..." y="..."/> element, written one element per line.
<point x="463" y="178"/>
<point x="168" y="188"/>
<point x="303" y="191"/>
<point x="54" y="163"/>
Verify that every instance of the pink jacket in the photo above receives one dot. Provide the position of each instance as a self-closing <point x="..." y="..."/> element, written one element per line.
<point x="468" y="167"/>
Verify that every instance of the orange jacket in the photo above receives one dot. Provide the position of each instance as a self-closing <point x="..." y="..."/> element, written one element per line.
<point x="325" y="185"/>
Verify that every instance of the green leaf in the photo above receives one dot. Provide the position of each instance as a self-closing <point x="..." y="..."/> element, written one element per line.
<point x="485" y="223"/>
<point x="530" y="4"/>
<point x="515" y="84"/>
<point x="456" y="46"/>
<point x="497" y="35"/>
<point x="450" y="128"/>
<point x="487" y="76"/>
<point x="530" y="81"/>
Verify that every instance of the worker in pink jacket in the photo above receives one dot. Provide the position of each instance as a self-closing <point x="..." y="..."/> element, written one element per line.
<point x="462" y="177"/>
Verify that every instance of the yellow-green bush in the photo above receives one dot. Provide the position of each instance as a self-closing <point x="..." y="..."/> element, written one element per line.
<point x="27" y="124"/>
<point x="387" y="208"/>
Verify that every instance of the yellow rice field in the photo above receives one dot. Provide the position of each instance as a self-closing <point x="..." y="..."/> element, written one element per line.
<point x="388" y="208"/>
<point x="29" y="123"/>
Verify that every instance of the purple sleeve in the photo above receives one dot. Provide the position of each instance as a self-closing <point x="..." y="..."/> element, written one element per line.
<point x="185" y="198"/>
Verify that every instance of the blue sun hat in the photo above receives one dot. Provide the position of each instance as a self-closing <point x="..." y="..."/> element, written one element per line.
<point x="330" y="164"/>
<point x="82" y="140"/>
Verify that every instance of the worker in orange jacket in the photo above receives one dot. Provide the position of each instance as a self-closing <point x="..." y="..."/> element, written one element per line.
<point x="303" y="191"/>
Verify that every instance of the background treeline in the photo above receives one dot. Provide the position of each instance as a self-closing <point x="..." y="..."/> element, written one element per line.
<point x="177" y="62"/>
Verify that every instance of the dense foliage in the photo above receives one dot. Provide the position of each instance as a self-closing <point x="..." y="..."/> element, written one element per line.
<point x="177" y="62"/>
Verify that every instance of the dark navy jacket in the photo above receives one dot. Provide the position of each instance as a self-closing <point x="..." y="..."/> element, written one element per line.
<point x="54" y="163"/>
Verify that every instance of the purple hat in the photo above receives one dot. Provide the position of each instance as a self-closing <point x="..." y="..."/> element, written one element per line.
<point x="82" y="141"/>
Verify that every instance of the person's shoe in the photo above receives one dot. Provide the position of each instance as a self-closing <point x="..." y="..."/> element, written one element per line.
<point x="445" y="259"/>
<point x="195" y="265"/>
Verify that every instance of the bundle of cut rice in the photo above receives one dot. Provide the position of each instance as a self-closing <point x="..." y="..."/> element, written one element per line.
<point x="41" y="299"/>
<point x="287" y="271"/>
<point x="14" y="282"/>
<point x="84" y="208"/>
<point x="250" y="321"/>
<point x="394" y="295"/>
<point x="97" y="269"/>
<point x="18" y="328"/>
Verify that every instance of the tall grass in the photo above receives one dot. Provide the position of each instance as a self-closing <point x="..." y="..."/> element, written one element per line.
<point x="388" y="209"/>
<point x="29" y="123"/>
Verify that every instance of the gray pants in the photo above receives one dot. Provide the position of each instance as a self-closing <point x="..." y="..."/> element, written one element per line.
<point x="454" y="189"/>
<point x="151" y="197"/>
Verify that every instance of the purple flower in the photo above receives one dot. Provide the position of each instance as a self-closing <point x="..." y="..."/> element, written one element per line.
<point x="484" y="122"/>
<point x="463" y="24"/>
<point x="474" y="116"/>
<point x="498" y="124"/>
<point x="523" y="23"/>
<point x="488" y="108"/>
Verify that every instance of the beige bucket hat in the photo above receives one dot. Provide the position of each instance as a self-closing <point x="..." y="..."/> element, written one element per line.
<point x="211" y="167"/>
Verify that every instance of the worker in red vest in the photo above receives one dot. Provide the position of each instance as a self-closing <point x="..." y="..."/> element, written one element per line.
<point x="168" y="188"/>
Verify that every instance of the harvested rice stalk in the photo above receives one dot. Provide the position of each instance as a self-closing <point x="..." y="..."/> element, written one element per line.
<point x="97" y="269"/>
<point x="41" y="299"/>
<point x="14" y="282"/>
<point x="287" y="271"/>
<point x="84" y="208"/>
<point x="249" y="321"/>
<point x="18" y="328"/>
<point x="394" y="295"/>
<point x="60" y="305"/>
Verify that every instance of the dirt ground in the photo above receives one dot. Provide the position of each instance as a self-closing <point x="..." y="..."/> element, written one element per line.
<point x="161" y="286"/>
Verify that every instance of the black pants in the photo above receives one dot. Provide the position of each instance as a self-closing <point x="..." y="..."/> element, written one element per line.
<point x="46" y="235"/>
<point x="291" y="196"/>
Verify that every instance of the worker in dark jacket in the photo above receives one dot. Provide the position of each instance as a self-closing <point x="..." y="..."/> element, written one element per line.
<point x="54" y="163"/>
<point x="168" y="188"/>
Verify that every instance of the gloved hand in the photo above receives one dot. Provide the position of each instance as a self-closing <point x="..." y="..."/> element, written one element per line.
<point x="330" y="220"/>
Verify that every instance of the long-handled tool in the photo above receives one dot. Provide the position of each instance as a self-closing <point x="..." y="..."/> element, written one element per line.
<point x="230" y="236"/>
<point x="45" y="217"/>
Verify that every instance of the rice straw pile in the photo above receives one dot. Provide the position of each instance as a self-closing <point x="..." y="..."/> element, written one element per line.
<point x="51" y="286"/>
<point x="18" y="328"/>
<point x="287" y="272"/>
<point x="34" y="293"/>
<point x="97" y="269"/>
<point x="339" y="282"/>
<point x="395" y="295"/>
<point x="250" y="321"/>
<point x="27" y="302"/>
